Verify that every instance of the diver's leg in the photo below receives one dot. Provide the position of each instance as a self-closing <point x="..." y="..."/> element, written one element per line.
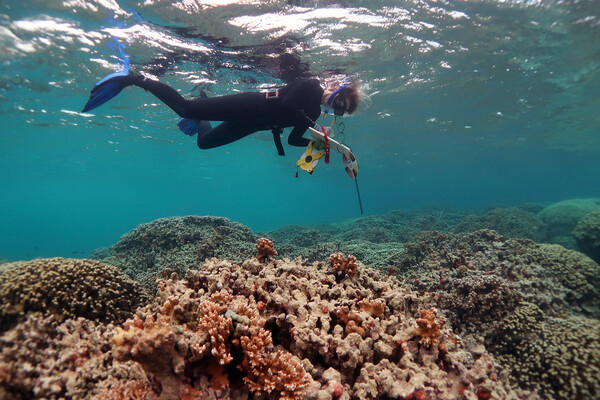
<point x="224" y="133"/>
<point x="220" y="108"/>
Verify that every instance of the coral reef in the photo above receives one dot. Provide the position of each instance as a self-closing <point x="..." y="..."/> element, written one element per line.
<point x="378" y="241"/>
<point x="66" y="288"/>
<point x="559" y="357"/>
<point x="343" y="265"/>
<point x="43" y="359"/>
<point x="265" y="250"/>
<point x="356" y="336"/>
<point x="561" y="218"/>
<point x="177" y="243"/>
<point x="587" y="235"/>
<point x="280" y="329"/>
<point x="512" y="222"/>
<point x="472" y="274"/>
<point x="525" y="300"/>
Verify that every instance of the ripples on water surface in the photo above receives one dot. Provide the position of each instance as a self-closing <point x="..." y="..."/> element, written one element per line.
<point x="473" y="103"/>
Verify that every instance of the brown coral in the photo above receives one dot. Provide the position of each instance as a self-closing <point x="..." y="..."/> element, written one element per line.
<point x="66" y="288"/>
<point x="343" y="265"/>
<point x="265" y="250"/>
<point x="429" y="327"/>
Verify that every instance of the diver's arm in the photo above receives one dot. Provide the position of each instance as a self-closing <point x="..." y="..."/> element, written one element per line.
<point x="295" y="138"/>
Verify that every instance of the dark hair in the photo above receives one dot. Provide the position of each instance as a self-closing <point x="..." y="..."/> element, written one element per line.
<point x="351" y="95"/>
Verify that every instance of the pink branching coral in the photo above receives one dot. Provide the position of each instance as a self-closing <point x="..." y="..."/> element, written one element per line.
<point x="429" y="327"/>
<point x="343" y="265"/>
<point x="268" y="370"/>
<point x="192" y="326"/>
<point x="265" y="250"/>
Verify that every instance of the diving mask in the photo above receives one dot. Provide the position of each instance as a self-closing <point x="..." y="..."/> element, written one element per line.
<point x="337" y="102"/>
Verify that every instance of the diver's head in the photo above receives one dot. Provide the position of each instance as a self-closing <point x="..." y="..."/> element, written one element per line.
<point x="343" y="99"/>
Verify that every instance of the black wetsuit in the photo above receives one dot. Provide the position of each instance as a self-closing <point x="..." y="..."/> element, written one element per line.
<point x="298" y="105"/>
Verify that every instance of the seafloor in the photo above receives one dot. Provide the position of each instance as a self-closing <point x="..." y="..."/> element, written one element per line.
<point x="427" y="304"/>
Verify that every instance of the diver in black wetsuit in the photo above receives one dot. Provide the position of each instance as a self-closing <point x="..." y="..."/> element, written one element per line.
<point x="297" y="105"/>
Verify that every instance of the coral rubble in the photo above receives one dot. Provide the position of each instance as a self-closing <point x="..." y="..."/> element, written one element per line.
<point x="66" y="288"/>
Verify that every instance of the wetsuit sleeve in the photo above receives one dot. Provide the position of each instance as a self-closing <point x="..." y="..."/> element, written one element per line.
<point x="292" y="104"/>
<point x="295" y="138"/>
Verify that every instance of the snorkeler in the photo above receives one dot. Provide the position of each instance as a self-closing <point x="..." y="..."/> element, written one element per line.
<point x="297" y="105"/>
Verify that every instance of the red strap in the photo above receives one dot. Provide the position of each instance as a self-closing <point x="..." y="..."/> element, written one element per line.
<point x="326" y="145"/>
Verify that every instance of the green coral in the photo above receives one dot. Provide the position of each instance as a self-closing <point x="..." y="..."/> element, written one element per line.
<point x="560" y="357"/>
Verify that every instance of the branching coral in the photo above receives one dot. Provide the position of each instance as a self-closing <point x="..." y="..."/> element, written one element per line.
<point x="429" y="327"/>
<point x="343" y="265"/>
<point x="270" y="371"/>
<point x="265" y="250"/>
<point x="168" y="346"/>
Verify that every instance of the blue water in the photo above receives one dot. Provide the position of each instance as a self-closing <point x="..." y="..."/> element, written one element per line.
<point x="473" y="104"/>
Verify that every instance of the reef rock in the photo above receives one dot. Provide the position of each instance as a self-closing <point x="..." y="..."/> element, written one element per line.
<point x="66" y="288"/>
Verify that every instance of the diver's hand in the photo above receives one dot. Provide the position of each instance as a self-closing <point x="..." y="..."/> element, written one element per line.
<point x="318" y="145"/>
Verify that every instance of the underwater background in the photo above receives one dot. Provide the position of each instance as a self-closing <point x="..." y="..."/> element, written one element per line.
<point x="135" y="266"/>
<point x="474" y="104"/>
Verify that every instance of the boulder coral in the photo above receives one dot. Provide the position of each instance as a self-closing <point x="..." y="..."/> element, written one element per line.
<point x="177" y="243"/>
<point x="561" y="218"/>
<point x="67" y="288"/>
<point x="587" y="235"/>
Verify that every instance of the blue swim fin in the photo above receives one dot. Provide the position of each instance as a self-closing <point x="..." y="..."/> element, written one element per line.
<point x="192" y="126"/>
<point x="107" y="88"/>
